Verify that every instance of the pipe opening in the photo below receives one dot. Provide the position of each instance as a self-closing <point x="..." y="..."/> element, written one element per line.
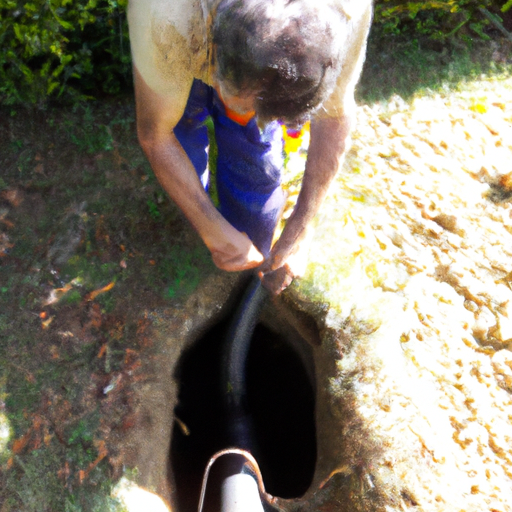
<point x="281" y="401"/>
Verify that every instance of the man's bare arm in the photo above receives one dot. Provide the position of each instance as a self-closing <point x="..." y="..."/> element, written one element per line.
<point x="329" y="136"/>
<point x="156" y="118"/>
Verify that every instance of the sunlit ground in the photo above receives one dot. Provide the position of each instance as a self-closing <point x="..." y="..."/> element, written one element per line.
<point x="137" y="499"/>
<point x="414" y="243"/>
<point x="5" y="434"/>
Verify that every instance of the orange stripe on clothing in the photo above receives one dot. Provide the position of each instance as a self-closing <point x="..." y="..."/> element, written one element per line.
<point x="242" y="119"/>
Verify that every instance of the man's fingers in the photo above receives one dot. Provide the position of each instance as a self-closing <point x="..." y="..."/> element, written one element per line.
<point x="240" y="261"/>
<point x="255" y="256"/>
<point x="276" y="281"/>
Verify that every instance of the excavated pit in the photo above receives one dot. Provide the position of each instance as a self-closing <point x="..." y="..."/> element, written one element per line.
<point x="281" y="398"/>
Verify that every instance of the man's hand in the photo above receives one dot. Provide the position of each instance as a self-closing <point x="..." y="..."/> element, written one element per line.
<point x="275" y="281"/>
<point x="328" y="140"/>
<point x="285" y="263"/>
<point x="235" y="253"/>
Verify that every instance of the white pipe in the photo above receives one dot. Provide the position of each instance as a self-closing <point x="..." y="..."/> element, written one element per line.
<point x="240" y="493"/>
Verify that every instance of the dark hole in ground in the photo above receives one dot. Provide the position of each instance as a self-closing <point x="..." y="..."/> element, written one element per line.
<point x="281" y="400"/>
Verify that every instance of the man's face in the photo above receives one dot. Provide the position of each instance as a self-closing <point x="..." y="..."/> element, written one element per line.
<point x="241" y="106"/>
<point x="241" y="103"/>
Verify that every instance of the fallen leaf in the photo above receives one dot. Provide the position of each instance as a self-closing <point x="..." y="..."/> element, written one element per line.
<point x="57" y="293"/>
<point x="95" y="293"/>
<point x="21" y="443"/>
<point x="13" y="196"/>
<point x="102" y="449"/>
<point x="47" y="323"/>
<point x="102" y="453"/>
<point x="479" y="107"/>
<point x="102" y="351"/>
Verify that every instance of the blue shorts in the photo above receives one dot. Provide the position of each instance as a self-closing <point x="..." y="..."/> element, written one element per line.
<point x="249" y="164"/>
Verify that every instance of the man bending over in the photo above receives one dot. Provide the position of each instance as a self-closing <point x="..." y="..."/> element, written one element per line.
<point x="251" y="65"/>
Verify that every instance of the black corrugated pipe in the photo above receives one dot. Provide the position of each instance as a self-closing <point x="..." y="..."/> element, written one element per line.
<point x="235" y="351"/>
<point x="241" y="484"/>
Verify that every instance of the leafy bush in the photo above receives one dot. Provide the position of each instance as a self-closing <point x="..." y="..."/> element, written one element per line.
<point x="67" y="50"/>
<point x="64" y="49"/>
<point x="440" y="20"/>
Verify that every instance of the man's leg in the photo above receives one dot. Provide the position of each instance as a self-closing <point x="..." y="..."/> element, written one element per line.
<point x="191" y="131"/>
<point x="249" y="167"/>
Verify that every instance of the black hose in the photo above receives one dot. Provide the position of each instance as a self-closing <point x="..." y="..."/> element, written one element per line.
<point x="234" y="361"/>
<point x="242" y="484"/>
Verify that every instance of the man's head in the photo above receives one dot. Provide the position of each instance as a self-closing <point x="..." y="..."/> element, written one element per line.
<point x="286" y="52"/>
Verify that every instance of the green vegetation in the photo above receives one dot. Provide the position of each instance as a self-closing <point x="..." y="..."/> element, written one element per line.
<point x="62" y="49"/>
<point x="418" y="47"/>
<point x="408" y="67"/>
<point x="81" y="258"/>
<point x="440" y="20"/>
<point x="68" y="50"/>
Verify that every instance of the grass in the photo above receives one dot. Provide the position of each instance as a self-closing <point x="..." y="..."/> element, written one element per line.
<point x="87" y="222"/>
<point x="409" y="67"/>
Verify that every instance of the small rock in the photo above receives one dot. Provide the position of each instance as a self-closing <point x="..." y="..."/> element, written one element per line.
<point x="504" y="329"/>
<point x="485" y="320"/>
<point x="502" y="365"/>
<point x="471" y="306"/>
<point x="448" y="222"/>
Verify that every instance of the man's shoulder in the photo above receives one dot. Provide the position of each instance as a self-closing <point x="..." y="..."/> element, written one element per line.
<point x="358" y="16"/>
<point x="353" y="10"/>
<point x="168" y="40"/>
<point x="184" y="16"/>
<point x="173" y="11"/>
